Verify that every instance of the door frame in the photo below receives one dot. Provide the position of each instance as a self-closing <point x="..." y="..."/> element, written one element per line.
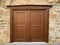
<point x="12" y="8"/>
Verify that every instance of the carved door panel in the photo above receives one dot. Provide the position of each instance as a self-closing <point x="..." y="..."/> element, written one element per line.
<point x="20" y="18"/>
<point x="37" y="24"/>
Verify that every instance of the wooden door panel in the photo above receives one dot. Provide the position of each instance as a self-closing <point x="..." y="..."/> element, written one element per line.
<point x="37" y="25"/>
<point x="20" y="25"/>
<point x="36" y="35"/>
<point x="37" y="18"/>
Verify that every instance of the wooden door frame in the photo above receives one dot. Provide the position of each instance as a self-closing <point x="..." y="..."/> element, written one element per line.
<point x="14" y="7"/>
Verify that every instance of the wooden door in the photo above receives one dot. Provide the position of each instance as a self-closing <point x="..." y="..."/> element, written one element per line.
<point x="38" y="33"/>
<point x="29" y="26"/>
<point x="20" y="29"/>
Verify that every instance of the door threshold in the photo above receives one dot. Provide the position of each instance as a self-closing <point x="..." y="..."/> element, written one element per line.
<point x="29" y="42"/>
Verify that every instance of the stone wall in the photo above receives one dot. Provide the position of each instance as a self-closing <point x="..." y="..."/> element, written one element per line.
<point x="54" y="19"/>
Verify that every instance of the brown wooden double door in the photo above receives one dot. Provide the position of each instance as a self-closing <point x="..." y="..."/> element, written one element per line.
<point x="30" y="25"/>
